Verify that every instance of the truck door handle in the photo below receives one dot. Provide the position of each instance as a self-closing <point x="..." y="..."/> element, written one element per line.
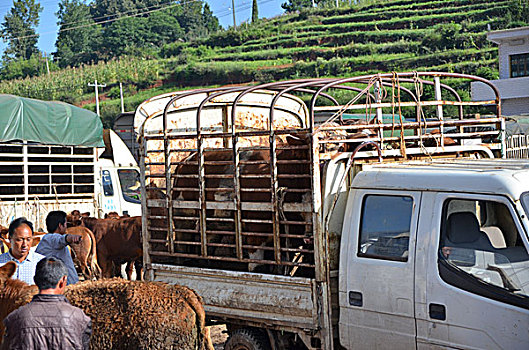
<point x="355" y="298"/>
<point x="438" y="312"/>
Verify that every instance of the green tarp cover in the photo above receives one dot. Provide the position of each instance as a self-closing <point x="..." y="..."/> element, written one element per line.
<point x="48" y="122"/>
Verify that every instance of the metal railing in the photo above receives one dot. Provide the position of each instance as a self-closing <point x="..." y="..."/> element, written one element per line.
<point x="232" y="173"/>
<point x="517" y="147"/>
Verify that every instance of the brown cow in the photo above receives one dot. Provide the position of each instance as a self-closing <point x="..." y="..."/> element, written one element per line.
<point x="74" y="218"/>
<point x="117" y="241"/>
<point x="124" y="314"/>
<point x="84" y="254"/>
<point x="137" y="264"/>
<point x="294" y="183"/>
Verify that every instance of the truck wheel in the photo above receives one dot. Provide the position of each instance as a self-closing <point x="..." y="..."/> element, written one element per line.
<point x="247" y="339"/>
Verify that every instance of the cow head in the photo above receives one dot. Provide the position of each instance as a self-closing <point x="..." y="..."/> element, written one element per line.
<point x="112" y="215"/>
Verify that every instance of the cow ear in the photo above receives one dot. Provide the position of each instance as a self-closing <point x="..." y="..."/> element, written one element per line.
<point x="3" y="231"/>
<point x="7" y="270"/>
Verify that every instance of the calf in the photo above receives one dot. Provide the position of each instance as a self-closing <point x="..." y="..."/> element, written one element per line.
<point x="137" y="264"/>
<point x="117" y="240"/>
<point x="84" y="254"/>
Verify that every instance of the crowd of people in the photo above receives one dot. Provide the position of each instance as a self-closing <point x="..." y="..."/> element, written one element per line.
<point x="48" y="321"/>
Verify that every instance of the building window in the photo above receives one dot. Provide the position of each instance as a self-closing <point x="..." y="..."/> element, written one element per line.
<point x="519" y="65"/>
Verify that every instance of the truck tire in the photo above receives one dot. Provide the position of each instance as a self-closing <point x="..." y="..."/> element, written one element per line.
<point x="247" y="339"/>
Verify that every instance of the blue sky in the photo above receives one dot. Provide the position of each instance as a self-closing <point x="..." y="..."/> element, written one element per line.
<point x="221" y="8"/>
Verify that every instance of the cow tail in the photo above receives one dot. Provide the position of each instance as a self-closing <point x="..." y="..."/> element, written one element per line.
<point x="92" y="257"/>
<point x="203" y="336"/>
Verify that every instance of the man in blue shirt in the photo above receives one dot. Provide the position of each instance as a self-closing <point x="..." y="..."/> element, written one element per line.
<point x="55" y="244"/>
<point x="21" y="237"/>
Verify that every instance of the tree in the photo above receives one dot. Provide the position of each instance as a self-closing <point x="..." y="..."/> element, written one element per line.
<point x="110" y="9"/>
<point x="78" y="35"/>
<point x="144" y="26"/>
<point x="210" y="22"/>
<point x="255" y="12"/>
<point x="123" y="35"/>
<point x="162" y="28"/>
<point x="18" y="30"/>
<point x="103" y="10"/>
<point x="296" y="5"/>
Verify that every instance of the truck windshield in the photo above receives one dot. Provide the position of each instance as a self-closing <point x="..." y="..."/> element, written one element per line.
<point x="130" y="184"/>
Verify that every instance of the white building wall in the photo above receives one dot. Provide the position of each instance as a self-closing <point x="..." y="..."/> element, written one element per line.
<point x="508" y="88"/>
<point x="511" y="47"/>
<point x="514" y="92"/>
<point x="515" y="106"/>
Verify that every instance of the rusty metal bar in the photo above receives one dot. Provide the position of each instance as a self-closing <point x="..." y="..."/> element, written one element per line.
<point x="411" y="125"/>
<point x="201" y="187"/>
<point x="427" y="82"/>
<point x="145" y="234"/>
<point x="168" y="185"/>
<point x="218" y="258"/>
<point x="406" y="104"/>
<point x="235" y="152"/>
<point x="379" y="119"/>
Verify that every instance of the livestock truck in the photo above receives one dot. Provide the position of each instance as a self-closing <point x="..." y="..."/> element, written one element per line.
<point x="372" y="212"/>
<point x="55" y="156"/>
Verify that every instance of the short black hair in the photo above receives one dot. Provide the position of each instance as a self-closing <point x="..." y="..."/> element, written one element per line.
<point x="48" y="273"/>
<point x="55" y="218"/>
<point x="18" y="222"/>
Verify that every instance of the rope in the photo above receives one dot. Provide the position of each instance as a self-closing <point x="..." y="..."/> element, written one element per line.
<point x="419" y="90"/>
<point x="342" y="110"/>
<point x="396" y="82"/>
<point x="381" y="92"/>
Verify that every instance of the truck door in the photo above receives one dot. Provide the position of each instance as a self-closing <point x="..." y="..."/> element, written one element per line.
<point x="474" y="290"/>
<point x="377" y="267"/>
<point x="110" y="200"/>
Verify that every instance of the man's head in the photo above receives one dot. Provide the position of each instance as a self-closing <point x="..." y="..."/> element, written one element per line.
<point x="56" y="222"/>
<point x="446" y="251"/>
<point x="21" y="236"/>
<point x="51" y="276"/>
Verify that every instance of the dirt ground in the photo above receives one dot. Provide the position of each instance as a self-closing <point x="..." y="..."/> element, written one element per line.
<point x="218" y="337"/>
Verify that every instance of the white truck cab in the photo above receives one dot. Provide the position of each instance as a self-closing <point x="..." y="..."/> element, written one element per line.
<point x="119" y="180"/>
<point x="435" y="254"/>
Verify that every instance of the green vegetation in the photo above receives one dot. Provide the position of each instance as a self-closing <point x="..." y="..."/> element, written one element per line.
<point x="18" y="29"/>
<point x="366" y="37"/>
<point x="101" y="30"/>
<point x="71" y="84"/>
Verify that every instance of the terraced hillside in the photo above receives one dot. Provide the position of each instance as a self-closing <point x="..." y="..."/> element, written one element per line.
<point x="394" y="35"/>
<point x="448" y="35"/>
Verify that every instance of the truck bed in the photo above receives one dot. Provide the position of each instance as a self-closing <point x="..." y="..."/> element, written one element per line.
<point x="258" y="298"/>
